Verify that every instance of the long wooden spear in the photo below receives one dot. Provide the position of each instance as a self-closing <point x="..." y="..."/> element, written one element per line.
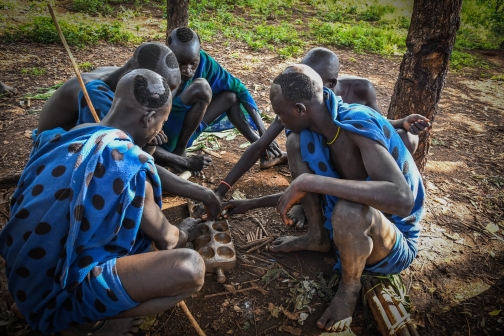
<point x="97" y="119"/>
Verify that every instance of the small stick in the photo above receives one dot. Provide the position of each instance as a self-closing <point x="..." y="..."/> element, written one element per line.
<point x="237" y="291"/>
<point x="260" y="234"/>
<point x="269" y="240"/>
<point x="209" y="152"/>
<point x="191" y="318"/>
<point x="254" y="242"/>
<point x="257" y="233"/>
<point x="255" y="220"/>
<point x="74" y="64"/>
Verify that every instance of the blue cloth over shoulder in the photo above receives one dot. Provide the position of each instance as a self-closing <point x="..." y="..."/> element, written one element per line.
<point x="101" y="96"/>
<point x="77" y="208"/>
<point x="219" y="80"/>
<point x="367" y="122"/>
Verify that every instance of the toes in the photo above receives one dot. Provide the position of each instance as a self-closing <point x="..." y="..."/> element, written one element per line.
<point x="321" y="323"/>
<point x="137" y="322"/>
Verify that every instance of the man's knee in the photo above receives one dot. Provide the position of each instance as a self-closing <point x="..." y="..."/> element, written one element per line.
<point x="293" y="144"/>
<point x="199" y="92"/>
<point x="350" y="218"/>
<point x="191" y="268"/>
<point x="230" y="97"/>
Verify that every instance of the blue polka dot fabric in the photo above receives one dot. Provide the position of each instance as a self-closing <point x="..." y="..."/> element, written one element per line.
<point x="367" y="122"/>
<point x="101" y="96"/>
<point x="77" y="208"/>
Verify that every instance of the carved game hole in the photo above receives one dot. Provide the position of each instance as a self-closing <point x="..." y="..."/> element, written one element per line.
<point x="222" y="238"/>
<point x="220" y="226"/>
<point x="207" y="252"/>
<point x="202" y="240"/>
<point x="225" y="252"/>
<point x="204" y="229"/>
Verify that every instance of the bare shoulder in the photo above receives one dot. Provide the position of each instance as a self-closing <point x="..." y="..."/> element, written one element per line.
<point x="357" y="84"/>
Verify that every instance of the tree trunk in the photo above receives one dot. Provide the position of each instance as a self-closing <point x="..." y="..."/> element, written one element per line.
<point x="422" y="75"/>
<point x="178" y="15"/>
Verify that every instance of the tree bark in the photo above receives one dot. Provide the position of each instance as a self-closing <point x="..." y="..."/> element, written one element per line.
<point x="423" y="70"/>
<point x="178" y="14"/>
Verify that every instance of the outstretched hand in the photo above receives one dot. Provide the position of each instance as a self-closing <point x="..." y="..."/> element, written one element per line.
<point x="416" y="123"/>
<point x="212" y="208"/>
<point x="291" y="196"/>
<point x="235" y="207"/>
<point x="158" y="139"/>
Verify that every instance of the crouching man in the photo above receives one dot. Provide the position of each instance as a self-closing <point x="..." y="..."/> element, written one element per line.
<point x="357" y="183"/>
<point x="84" y="215"/>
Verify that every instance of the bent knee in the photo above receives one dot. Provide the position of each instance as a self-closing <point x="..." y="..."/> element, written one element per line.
<point x="230" y="97"/>
<point x="293" y="144"/>
<point x="192" y="268"/>
<point x="200" y="91"/>
<point x="349" y="217"/>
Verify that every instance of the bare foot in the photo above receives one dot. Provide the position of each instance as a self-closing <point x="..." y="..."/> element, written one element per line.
<point x="6" y="89"/>
<point x="338" y="316"/>
<point x="301" y="243"/>
<point x="275" y="161"/>
<point x="296" y="213"/>
<point x="194" y="163"/>
<point x="126" y="327"/>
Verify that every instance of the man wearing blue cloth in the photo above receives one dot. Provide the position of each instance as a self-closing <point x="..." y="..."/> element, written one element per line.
<point x="349" y="159"/>
<point x="210" y="98"/>
<point x="84" y="215"/>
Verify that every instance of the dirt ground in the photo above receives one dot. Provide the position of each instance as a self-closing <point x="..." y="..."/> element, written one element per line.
<point x="456" y="283"/>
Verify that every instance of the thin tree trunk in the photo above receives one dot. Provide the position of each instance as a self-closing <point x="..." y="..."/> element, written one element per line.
<point x="178" y="14"/>
<point x="422" y="75"/>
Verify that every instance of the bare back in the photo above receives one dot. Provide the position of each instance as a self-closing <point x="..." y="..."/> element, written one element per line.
<point x="62" y="109"/>
<point x="356" y="90"/>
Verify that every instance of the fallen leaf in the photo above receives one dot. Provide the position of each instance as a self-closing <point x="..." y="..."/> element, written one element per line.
<point x="302" y="318"/>
<point x="259" y="311"/>
<point x="292" y="330"/>
<point x="492" y="228"/>
<point x="459" y="296"/>
<point x="432" y="289"/>
<point x="292" y="316"/>
<point x="237" y="309"/>
<point x="28" y="134"/>
<point x="494" y="312"/>
<point x="492" y="254"/>
<point x="440" y="200"/>
<point x="148" y="322"/>
<point x="274" y="310"/>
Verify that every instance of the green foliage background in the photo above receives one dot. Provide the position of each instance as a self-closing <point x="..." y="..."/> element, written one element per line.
<point x="288" y="27"/>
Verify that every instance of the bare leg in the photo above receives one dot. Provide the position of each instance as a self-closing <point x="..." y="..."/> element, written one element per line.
<point x="317" y="238"/>
<point x="158" y="280"/>
<point x="410" y="140"/>
<point x="363" y="236"/>
<point x="198" y="95"/>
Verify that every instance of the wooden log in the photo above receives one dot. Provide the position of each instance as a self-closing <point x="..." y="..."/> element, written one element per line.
<point x="403" y="312"/>
<point x="398" y="325"/>
<point x="375" y="305"/>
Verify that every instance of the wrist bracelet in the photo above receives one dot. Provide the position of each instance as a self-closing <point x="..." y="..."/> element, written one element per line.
<point x="227" y="184"/>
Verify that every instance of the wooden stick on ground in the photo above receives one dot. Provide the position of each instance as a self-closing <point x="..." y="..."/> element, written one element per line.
<point x="195" y="324"/>
<point x="74" y="64"/>
<point x="97" y="119"/>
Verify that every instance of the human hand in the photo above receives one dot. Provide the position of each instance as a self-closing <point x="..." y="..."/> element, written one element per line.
<point x="149" y="149"/>
<point x="416" y="123"/>
<point x="274" y="150"/>
<point x="235" y="207"/>
<point x="212" y="205"/>
<point x="158" y="139"/>
<point x="291" y="196"/>
<point x="192" y="227"/>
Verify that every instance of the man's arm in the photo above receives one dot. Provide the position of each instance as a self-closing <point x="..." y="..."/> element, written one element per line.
<point x="387" y="191"/>
<point x="235" y="207"/>
<point x="250" y="156"/>
<point x="414" y="123"/>
<point x="178" y="186"/>
<point x="273" y="148"/>
<point x="155" y="225"/>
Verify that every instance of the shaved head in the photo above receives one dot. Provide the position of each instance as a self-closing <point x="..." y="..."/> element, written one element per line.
<point x="324" y="62"/>
<point x="298" y="82"/>
<point x="158" y="58"/>
<point x="184" y="38"/>
<point x="143" y="90"/>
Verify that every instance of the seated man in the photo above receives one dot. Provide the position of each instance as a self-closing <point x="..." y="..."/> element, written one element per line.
<point x="352" y="90"/>
<point x="85" y="213"/>
<point x="194" y="110"/>
<point x="67" y="107"/>
<point x="350" y="156"/>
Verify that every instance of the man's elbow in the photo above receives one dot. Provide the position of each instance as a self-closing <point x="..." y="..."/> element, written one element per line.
<point x="405" y="202"/>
